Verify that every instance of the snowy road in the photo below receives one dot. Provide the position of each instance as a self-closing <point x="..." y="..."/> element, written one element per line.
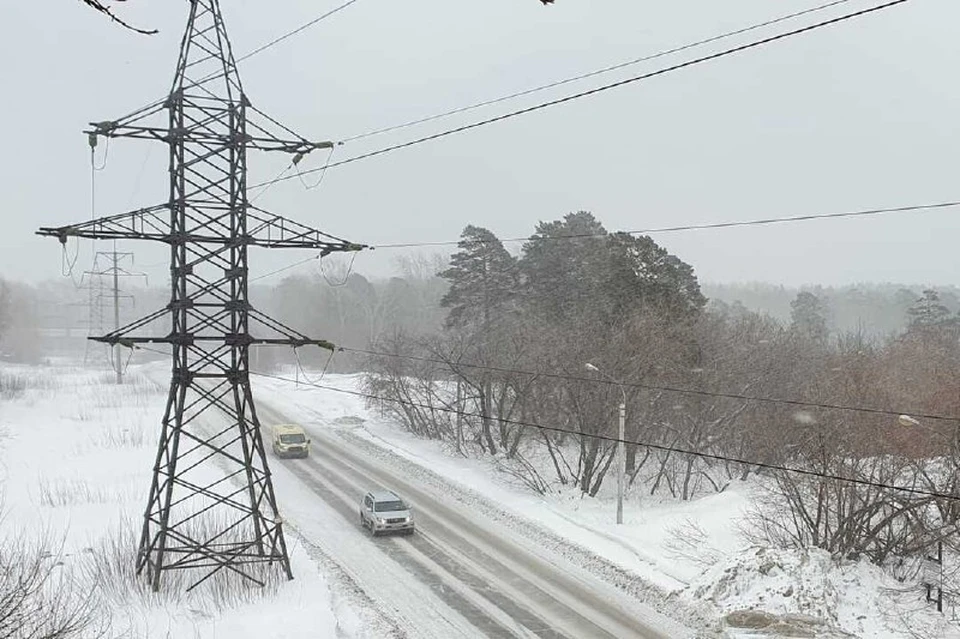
<point x="460" y="574"/>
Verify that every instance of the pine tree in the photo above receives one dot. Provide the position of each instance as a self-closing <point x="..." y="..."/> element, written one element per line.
<point x="808" y="317"/>
<point x="643" y="275"/>
<point x="574" y="271"/>
<point x="563" y="266"/>
<point x="928" y="312"/>
<point x="484" y="279"/>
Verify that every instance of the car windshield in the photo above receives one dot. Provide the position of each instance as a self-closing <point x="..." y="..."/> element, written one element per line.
<point x="292" y="439"/>
<point x="389" y="506"/>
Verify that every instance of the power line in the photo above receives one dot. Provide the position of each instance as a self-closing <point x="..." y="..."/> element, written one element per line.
<point x="700" y="227"/>
<point x="615" y="440"/>
<point x="281" y="270"/>
<point x="916" y="208"/>
<point x="670" y="389"/>
<point x="597" y="90"/>
<point x="267" y="45"/>
<point x="591" y="74"/>
<point x="299" y="29"/>
<point x="607" y="438"/>
<point x="887" y="412"/>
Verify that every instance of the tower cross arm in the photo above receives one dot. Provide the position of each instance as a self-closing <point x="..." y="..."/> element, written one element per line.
<point x="264" y="229"/>
<point x="151" y="223"/>
<point x="278" y="334"/>
<point x="131" y="341"/>
<point x="204" y="131"/>
<point x="298" y="148"/>
<point x="264" y="133"/>
<point x="134" y="125"/>
<point x="273" y="231"/>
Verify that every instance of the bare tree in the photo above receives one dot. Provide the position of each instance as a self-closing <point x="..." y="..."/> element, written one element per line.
<point x="38" y="597"/>
<point x="411" y="388"/>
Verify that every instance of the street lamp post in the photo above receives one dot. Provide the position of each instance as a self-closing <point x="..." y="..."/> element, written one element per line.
<point x="933" y="566"/>
<point x="621" y="458"/>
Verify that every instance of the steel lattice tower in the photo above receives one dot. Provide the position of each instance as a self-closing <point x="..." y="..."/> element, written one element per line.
<point x="97" y="279"/>
<point x="195" y="517"/>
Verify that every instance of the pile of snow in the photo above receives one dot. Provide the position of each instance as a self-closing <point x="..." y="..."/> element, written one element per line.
<point x="769" y="591"/>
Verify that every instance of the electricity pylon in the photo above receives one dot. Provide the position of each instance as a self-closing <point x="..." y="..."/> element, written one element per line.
<point x="104" y="285"/>
<point x="196" y="518"/>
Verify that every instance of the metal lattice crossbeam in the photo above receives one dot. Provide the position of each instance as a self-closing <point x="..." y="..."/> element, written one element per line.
<point x="264" y="229"/>
<point x="212" y="505"/>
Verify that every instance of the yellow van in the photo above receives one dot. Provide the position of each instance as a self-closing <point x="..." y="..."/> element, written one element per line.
<point x="289" y="440"/>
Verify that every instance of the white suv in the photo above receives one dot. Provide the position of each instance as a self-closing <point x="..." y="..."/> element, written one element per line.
<point x="383" y="511"/>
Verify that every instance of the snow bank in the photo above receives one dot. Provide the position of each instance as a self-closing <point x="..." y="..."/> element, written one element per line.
<point x="776" y="591"/>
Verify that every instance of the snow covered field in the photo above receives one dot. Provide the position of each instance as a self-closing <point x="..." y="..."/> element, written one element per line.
<point x="76" y="455"/>
<point x="75" y="459"/>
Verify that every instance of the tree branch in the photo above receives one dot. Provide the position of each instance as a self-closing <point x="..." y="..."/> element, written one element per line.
<point x="99" y="6"/>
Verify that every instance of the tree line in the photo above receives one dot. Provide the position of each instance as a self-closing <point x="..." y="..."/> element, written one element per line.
<point x="519" y="330"/>
<point x="876" y="309"/>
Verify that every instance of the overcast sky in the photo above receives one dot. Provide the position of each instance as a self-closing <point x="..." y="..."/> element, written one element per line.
<point x="855" y="116"/>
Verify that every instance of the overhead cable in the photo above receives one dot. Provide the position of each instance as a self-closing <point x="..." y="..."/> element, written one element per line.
<point x="614" y="440"/>
<point x="267" y="45"/>
<point x="282" y="270"/>
<point x="916" y="208"/>
<point x="599" y="380"/>
<point x="591" y="92"/>
<point x="594" y="73"/>
<point x="299" y="29"/>
<point x="655" y="387"/>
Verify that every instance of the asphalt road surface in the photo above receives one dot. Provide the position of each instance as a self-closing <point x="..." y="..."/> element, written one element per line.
<point x="459" y="574"/>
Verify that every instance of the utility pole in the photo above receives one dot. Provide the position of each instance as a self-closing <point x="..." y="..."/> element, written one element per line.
<point x="232" y="523"/>
<point x="113" y="271"/>
<point x="116" y="316"/>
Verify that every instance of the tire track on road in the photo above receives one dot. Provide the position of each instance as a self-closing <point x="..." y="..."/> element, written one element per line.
<point x="334" y="494"/>
<point x="542" y="598"/>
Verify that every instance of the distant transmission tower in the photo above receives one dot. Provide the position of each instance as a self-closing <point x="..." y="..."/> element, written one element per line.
<point x="196" y="518"/>
<point x="104" y="286"/>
